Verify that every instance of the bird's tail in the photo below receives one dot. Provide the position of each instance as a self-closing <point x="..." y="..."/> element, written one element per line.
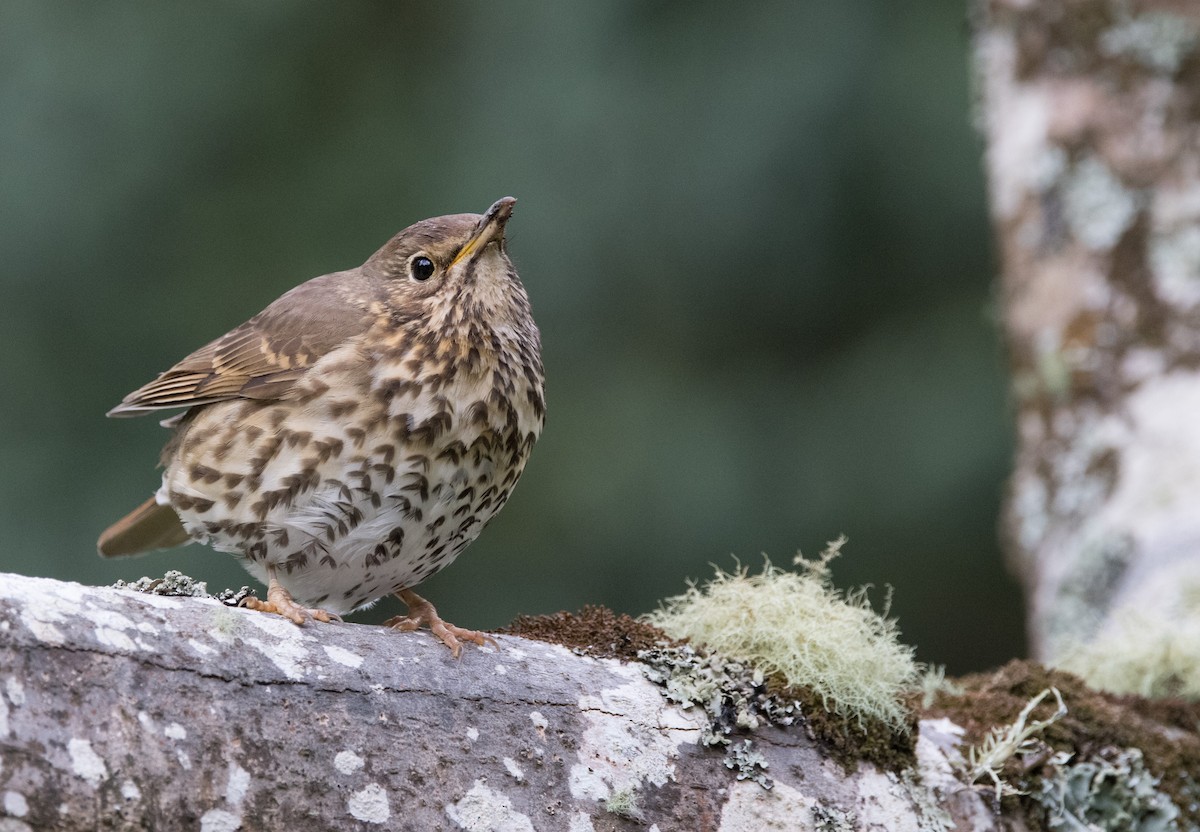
<point x="148" y="527"/>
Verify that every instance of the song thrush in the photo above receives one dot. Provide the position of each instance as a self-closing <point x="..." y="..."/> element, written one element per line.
<point x="356" y="435"/>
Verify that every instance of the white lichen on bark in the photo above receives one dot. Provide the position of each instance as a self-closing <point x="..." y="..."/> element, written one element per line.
<point x="1092" y="116"/>
<point x="221" y="715"/>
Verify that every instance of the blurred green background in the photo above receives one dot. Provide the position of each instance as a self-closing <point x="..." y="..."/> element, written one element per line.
<point x="755" y="236"/>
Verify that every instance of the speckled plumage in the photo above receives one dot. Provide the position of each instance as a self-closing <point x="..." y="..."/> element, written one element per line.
<point x="354" y="437"/>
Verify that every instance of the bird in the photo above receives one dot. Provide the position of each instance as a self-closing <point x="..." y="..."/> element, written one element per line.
<point x="350" y="440"/>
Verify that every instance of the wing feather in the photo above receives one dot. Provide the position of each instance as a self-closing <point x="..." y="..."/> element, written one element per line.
<point x="264" y="357"/>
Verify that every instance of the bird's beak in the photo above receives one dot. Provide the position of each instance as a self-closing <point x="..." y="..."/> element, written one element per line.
<point x="490" y="229"/>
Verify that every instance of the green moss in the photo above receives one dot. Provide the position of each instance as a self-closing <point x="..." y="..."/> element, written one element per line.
<point x="593" y="631"/>
<point x="796" y="625"/>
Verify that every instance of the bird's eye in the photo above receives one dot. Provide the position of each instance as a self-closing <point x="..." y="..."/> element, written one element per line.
<point x="421" y="268"/>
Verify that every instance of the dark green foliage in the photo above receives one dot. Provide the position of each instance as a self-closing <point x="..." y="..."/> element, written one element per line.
<point x="755" y="237"/>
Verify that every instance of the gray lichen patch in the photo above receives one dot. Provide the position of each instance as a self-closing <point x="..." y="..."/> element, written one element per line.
<point x="1096" y="205"/>
<point x="1110" y="792"/>
<point x="748" y="763"/>
<point x="631" y="739"/>
<point x="733" y="695"/>
<point x="175" y="583"/>
<point x="1101" y="561"/>
<point x="1159" y="41"/>
<point x="831" y="819"/>
<point x="1175" y="262"/>
<point x="737" y="699"/>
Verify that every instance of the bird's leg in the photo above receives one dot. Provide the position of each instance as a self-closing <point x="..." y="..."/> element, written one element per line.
<point x="421" y="612"/>
<point x="280" y="602"/>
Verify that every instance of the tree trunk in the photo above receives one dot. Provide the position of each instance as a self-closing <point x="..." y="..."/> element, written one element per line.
<point x="120" y="710"/>
<point x="1092" y="114"/>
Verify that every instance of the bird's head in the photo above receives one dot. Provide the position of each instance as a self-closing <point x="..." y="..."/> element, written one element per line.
<point x="445" y="269"/>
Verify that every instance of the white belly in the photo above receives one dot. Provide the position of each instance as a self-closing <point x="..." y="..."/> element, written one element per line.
<point x="346" y="514"/>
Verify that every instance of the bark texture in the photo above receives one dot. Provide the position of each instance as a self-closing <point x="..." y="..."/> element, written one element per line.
<point x="127" y="711"/>
<point x="1092" y="115"/>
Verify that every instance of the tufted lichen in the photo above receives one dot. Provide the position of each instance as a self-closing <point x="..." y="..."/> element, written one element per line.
<point x="1020" y="738"/>
<point x="934" y="682"/>
<point x="796" y="625"/>
<point x="624" y="803"/>
<point x="1150" y="653"/>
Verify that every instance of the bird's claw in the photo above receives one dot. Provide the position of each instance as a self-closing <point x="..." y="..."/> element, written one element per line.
<point x="421" y="612"/>
<point x="280" y="602"/>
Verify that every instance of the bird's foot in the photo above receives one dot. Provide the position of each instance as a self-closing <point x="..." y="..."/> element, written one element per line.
<point x="279" y="601"/>
<point x="421" y="612"/>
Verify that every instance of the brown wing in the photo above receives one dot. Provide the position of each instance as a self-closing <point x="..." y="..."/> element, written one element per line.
<point x="264" y="357"/>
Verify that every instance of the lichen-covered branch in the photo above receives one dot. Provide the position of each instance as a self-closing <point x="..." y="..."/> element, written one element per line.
<point x="1092" y="115"/>
<point x="125" y="710"/>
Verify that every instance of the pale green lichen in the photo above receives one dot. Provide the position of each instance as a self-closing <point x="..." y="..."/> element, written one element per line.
<point x="624" y="803"/>
<point x="934" y="682"/>
<point x="1052" y="372"/>
<point x="1151" y="653"/>
<point x="1018" y="738"/>
<point x="1109" y="793"/>
<point x="797" y="625"/>
<point x="1159" y="41"/>
<point x="749" y="764"/>
<point x="224" y="622"/>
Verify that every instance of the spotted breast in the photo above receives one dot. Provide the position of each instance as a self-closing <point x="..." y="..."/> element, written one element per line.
<point x="353" y="438"/>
